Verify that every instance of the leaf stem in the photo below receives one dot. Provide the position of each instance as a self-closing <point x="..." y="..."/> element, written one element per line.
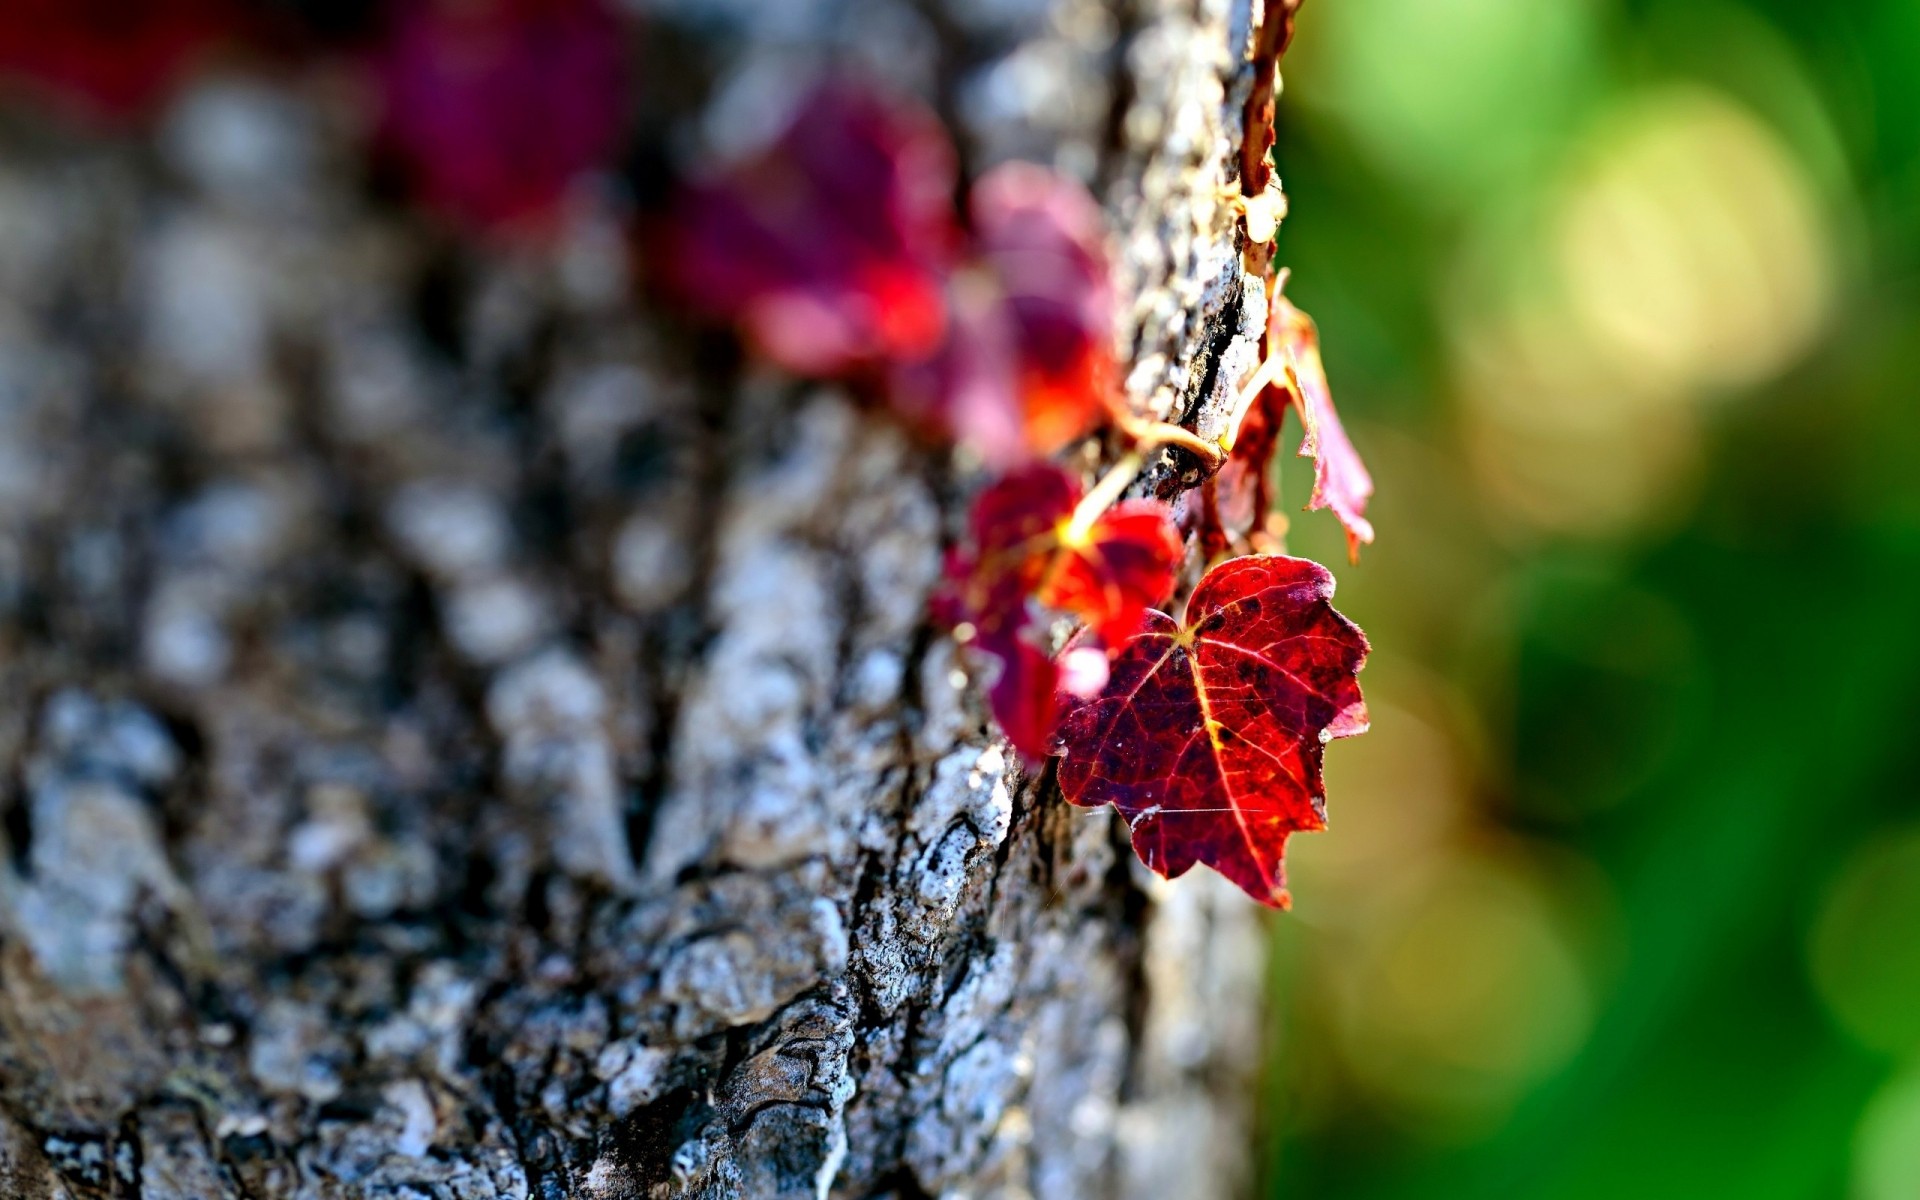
<point x="1149" y="434"/>
<point x="1103" y="496"/>
<point x="1264" y="376"/>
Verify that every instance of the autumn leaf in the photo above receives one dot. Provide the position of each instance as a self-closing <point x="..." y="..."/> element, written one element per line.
<point x="1024" y="696"/>
<point x="1040" y="237"/>
<point x="1028" y="365"/>
<point x="110" y="60"/>
<point x="1242" y="488"/>
<point x="1028" y="540"/>
<point x="1208" y="736"/>
<point x="1340" y="479"/>
<point x="1028" y="545"/>
<point x="830" y="247"/>
<point x="491" y="109"/>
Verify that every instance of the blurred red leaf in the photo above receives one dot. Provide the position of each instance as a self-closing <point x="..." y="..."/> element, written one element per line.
<point x="1340" y="479"/>
<point x="493" y="107"/>
<point x="107" y="57"/>
<point x="1024" y="696"/>
<point x="1025" y="546"/>
<point x="1111" y="574"/>
<point x="1208" y="737"/>
<point x="1041" y="238"/>
<point x="830" y="247"/>
<point x="1028" y="366"/>
<point x="838" y="253"/>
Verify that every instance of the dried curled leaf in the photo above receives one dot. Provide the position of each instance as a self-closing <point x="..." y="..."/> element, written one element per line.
<point x="1243" y="486"/>
<point x="1208" y="736"/>
<point x="1340" y="479"/>
<point x="1270" y="42"/>
<point x="1025" y="549"/>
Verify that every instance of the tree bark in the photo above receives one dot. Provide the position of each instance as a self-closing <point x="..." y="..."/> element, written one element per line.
<point x="466" y="738"/>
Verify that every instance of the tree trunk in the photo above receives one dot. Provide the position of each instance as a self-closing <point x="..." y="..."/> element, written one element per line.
<point x="465" y="740"/>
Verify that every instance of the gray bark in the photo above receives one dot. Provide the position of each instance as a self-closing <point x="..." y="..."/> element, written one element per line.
<point x="462" y="741"/>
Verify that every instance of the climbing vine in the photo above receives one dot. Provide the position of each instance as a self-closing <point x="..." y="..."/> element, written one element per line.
<point x="838" y="252"/>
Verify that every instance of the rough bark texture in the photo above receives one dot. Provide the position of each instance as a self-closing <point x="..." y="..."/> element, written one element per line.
<point x="466" y="737"/>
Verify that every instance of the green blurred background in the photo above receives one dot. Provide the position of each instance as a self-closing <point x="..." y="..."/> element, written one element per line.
<point x="1622" y="895"/>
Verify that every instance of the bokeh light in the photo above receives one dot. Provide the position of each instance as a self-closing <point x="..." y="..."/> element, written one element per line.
<point x="1887" y="1152"/>
<point x="1450" y="98"/>
<point x="1692" y="244"/>
<point x="1621" y="895"/>
<point x="1866" y="946"/>
<point x="1461" y="998"/>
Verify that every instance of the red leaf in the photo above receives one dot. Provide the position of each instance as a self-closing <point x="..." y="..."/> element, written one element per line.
<point x="1208" y="736"/>
<point x="1025" y="544"/>
<point x="1028" y="363"/>
<point x="1111" y="574"/>
<point x="1026" y="547"/>
<point x="1243" y="488"/>
<point x="838" y="253"/>
<point x="493" y="107"/>
<point x="1041" y="238"/>
<point x="1340" y="479"/>
<point x="1023" y="697"/>
<point x="830" y="247"/>
<point x="108" y="57"/>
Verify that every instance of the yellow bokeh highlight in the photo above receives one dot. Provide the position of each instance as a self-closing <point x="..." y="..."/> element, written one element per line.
<point x="1682" y="252"/>
<point x="1448" y="1009"/>
<point x="1693" y="244"/>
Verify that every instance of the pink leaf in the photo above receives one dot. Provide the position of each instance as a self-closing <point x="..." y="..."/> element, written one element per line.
<point x="1340" y="479"/>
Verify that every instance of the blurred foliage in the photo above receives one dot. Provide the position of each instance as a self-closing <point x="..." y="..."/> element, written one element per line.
<point x="1622" y="893"/>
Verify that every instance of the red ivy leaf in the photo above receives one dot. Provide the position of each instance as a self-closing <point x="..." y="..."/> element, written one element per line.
<point x="1041" y="238"/>
<point x="1208" y="736"/>
<point x="1024" y="546"/>
<point x="1340" y="479"/>
<point x="830" y="247"/>
<point x="1024" y="697"/>
<point x="1028" y="364"/>
<point x="109" y="57"/>
<point x="493" y="107"/>
<point x="838" y="253"/>
<point x="1110" y="575"/>
<point x="1243" y="486"/>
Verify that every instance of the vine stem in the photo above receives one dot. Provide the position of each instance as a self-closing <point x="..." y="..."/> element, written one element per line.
<point x="1103" y="496"/>
<point x="1163" y="433"/>
<point x="1265" y="375"/>
<point x="1148" y="433"/>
